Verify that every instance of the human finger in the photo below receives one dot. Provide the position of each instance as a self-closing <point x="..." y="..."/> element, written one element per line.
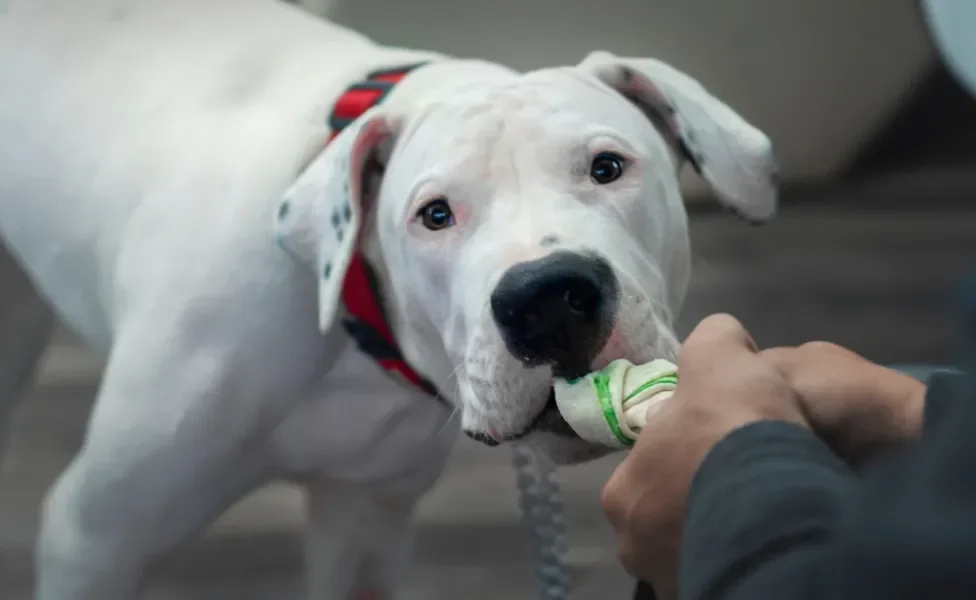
<point x="715" y="340"/>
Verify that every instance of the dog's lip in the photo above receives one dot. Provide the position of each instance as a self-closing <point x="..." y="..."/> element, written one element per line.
<point x="549" y="415"/>
<point x="492" y="438"/>
<point x="481" y="436"/>
<point x="536" y="420"/>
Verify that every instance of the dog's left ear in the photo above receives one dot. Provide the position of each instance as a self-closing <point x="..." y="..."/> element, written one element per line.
<point x="320" y="217"/>
<point x="734" y="157"/>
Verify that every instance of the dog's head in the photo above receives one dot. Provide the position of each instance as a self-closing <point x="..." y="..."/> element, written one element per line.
<point x="528" y="226"/>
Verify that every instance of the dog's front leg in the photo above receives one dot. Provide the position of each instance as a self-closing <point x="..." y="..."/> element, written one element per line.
<point x="166" y="451"/>
<point x="357" y="541"/>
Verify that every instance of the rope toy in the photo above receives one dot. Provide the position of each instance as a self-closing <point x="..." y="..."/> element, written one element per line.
<point x="610" y="407"/>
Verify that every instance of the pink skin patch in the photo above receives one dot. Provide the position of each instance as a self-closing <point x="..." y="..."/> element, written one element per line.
<point x="614" y="349"/>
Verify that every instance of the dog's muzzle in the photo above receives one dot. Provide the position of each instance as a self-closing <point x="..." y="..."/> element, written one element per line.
<point x="558" y="311"/>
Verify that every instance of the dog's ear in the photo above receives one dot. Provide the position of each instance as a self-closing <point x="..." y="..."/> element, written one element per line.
<point x="320" y="217"/>
<point x="734" y="157"/>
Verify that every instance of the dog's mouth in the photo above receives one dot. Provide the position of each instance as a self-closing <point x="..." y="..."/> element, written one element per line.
<point x="549" y="420"/>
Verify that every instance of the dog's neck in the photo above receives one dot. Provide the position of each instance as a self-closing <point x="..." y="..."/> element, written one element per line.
<point x="420" y="342"/>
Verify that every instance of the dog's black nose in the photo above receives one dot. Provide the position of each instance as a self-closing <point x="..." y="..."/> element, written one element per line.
<point x="557" y="310"/>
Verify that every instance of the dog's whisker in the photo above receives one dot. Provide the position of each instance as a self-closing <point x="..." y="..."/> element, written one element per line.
<point x="455" y="411"/>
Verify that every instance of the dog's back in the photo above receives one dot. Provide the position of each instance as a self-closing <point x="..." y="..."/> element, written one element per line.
<point x="124" y="122"/>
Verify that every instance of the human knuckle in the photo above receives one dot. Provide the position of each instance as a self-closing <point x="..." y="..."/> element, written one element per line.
<point x="626" y="555"/>
<point x="610" y="499"/>
<point x="721" y="322"/>
<point x="607" y="501"/>
<point x="754" y="375"/>
<point x="818" y="347"/>
<point x="777" y="354"/>
<point x="720" y="318"/>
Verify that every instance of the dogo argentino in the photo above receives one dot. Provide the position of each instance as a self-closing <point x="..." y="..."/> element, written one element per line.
<point x="174" y="188"/>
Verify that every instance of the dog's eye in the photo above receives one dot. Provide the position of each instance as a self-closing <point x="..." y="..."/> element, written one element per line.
<point x="606" y="167"/>
<point x="436" y="215"/>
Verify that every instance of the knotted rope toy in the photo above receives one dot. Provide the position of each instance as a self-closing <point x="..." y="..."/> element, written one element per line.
<point x="610" y="407"/>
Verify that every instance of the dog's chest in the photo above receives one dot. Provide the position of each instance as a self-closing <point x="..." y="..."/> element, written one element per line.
<point x="362" y="424"/>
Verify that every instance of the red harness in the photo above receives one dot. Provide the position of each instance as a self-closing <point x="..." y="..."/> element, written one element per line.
<point x="366" y="321"/>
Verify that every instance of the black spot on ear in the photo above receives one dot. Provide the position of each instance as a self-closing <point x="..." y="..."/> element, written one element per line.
<point x="327" y="271"/>
<point x="283" y="209"/>
<point x="335" y="218"/>
<point x="692" y="156"/>
<point x="691" y="145"/>
<point x="626" y="76"/>
<point x="549" y="240"/>
<point x="346" y="212"/>
<point x="338" y="235"/>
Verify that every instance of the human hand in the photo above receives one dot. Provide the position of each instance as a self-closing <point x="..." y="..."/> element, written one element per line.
<point x="856" y="406"/>
<point x="725" y="385"/>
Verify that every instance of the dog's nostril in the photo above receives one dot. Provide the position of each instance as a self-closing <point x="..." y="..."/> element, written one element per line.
<point x="582" y="301"/>
<point x="574" y="302"/>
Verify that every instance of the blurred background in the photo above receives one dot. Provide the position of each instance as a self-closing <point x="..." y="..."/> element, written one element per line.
<point x="877" y="147"/>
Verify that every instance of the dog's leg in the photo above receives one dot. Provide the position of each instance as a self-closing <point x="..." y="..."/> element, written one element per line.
<point x="25" y="327"/>
<point x="357" y="541"/>
<point x="170" y="444"/>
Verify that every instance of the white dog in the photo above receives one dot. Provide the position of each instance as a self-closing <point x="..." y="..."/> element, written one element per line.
<point x="166" y="185"/>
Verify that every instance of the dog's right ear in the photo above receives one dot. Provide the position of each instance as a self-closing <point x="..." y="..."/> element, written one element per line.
<point x="734" y="157"/>
<point x="320" y="218"/>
